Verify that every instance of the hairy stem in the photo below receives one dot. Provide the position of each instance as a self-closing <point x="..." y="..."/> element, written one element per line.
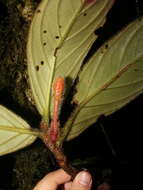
<point x="57" y="151"/>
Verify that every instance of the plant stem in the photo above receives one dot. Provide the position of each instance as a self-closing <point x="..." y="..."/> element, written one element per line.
<point x="68" y="125"/>
<point x="57" y="151"/>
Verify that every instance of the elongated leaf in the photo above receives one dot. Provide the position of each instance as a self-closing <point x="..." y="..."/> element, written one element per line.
<point x="60" y="36"/>
<point x="15" y="133"/>
<point x="111" y="79"/>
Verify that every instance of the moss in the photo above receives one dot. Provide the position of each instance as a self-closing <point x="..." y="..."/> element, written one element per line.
<point x="30" y="166"/>
<point x="13" y="63"/>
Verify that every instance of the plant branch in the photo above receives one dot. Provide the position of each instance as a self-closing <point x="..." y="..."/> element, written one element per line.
<point x="57" y="151"/>
<point x="68" y="125"/>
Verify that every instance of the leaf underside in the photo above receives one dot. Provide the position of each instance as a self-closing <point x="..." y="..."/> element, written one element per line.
<point x="63" y="29"/>
<point x="15" y="133"/>
<point x="111" y="78"/>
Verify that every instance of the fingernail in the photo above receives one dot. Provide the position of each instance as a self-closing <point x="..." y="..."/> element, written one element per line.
<point x="84" y="178"/>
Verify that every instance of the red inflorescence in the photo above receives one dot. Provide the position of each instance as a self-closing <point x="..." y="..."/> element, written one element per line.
<point x="59" y="86"/>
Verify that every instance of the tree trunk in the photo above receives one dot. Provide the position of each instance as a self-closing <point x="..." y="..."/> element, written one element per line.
<point x="30" y="164"/>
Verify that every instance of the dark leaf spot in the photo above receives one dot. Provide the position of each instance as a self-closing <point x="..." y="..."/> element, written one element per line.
<point x="42" y="62"/>
<point x="45" y="31"/>
<point x="44" y="43"/>
<point x="57" y="37"/>
<point x="84" y="14"/>
<point x="37" y="68"/>
<point x="38" y="11"/>
<point x="106" y="46"/>
<point x="60" y="26"/>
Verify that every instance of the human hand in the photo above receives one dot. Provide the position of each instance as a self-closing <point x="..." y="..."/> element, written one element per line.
<point x="82" y="181"/>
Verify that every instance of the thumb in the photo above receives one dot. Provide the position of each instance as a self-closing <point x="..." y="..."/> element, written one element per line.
<point x="53" y="180"/>
<point x="82" y="181"/>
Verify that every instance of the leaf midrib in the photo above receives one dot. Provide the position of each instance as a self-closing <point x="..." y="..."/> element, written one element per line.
<point x="69" y="26"/>
<point x="19" y="130"/>
<point x="91" y="21"/>
<point x="113" y="42"/>
<point x="123" y="99"/>
<point x="107" y="83"/>
<point x="14" y="148"/>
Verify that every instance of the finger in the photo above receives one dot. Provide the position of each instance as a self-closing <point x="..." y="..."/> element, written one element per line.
<point x="82" y="181"/>
<point x="53" y="180"/>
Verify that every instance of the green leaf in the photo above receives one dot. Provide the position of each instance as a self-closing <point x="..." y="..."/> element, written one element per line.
<point x="112" y="78"/>
<point x="61" y="34"/>
<point x="15" y="133"/>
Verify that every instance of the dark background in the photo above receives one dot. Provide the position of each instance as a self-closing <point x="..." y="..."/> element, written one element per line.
<point x="114" y="142"/>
